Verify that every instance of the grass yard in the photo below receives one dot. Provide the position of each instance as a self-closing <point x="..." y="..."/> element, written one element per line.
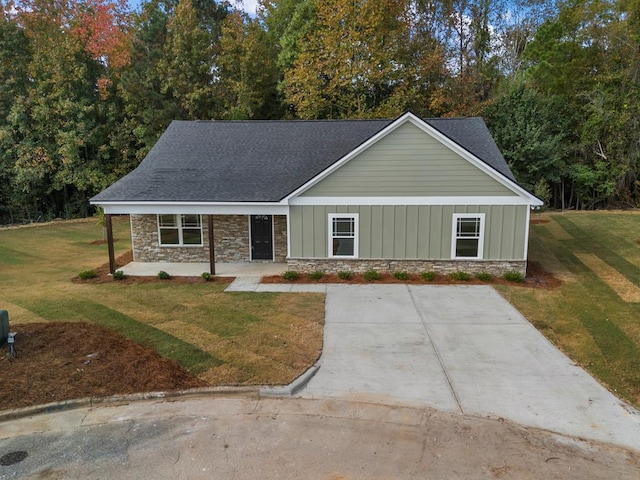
<point x="223" y="338"/>
<point x="594" y="316"/>
<point x="270" y="338"/>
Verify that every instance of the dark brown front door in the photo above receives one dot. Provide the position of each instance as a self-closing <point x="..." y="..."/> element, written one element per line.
<point x="261" y="237"/>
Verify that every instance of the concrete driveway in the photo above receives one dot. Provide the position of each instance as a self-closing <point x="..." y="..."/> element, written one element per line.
<point x="460" y="349"/>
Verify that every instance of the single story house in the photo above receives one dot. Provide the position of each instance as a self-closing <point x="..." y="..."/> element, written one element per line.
<point x="407" y="194"/>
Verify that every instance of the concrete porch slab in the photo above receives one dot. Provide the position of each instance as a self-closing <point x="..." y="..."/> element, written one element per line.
<point x="245" y="269"/>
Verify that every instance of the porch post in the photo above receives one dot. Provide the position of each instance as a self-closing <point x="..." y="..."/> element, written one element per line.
<point x="212" y="250"/>
<point x="112" y="258"/>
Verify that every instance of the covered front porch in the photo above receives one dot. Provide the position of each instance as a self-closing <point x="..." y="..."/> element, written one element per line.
<point x="223" y="244"/>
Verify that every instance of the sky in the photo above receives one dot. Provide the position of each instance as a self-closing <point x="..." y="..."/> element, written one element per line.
<point x="248" y="6"/>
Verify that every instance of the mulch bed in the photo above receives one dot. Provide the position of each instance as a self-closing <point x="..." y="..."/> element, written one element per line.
<point x="537" y="277"/>
<point x="60" y="361"/>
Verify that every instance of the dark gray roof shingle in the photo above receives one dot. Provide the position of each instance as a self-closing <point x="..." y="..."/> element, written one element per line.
<point x="263" y="161"/>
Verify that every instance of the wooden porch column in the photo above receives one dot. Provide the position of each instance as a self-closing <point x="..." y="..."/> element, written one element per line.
<point x="112" y="257"/>
<point x="212" y="250"/>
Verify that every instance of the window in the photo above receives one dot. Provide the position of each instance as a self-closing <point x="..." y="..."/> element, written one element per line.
<point x="180" y="229"/>
<point x="468" y="235"/>
<point x="343" y="235"/>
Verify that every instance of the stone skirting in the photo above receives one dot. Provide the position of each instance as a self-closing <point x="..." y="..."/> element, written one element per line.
<point x="360" y="265"/>
<point x="231" y="240"/>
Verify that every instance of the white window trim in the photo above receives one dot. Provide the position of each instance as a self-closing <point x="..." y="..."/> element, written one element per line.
<point x="179" y="227"/>
<point x="356" y="236"/>
<point x="454" y="235"/>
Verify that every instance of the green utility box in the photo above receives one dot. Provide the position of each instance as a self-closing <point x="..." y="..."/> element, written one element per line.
<point x="4" y="326"/>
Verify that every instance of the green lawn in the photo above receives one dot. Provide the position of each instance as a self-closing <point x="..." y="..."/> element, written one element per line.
<point x="594" y="317"/>
<point x="226" y="338"/>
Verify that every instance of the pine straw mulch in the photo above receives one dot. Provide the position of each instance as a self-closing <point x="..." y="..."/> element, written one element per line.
<point x="60" y="361"/>
<point x="537" y="277"/>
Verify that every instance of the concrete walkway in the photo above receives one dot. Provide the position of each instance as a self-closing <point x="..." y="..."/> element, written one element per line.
<point x="460" y="349"/>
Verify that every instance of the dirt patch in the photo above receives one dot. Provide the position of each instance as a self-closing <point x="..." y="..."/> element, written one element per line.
<point x="538" y="221"/>
<point x="537" y="277"/>
<point x="66" y="360"/>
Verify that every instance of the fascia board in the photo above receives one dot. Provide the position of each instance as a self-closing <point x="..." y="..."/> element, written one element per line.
<point x="222" y="208"/>
<point x="453" y="200"/>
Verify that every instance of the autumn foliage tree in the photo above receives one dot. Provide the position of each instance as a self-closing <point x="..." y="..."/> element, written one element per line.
<point x="351" y="62"/>
<point x="88" y="86"/>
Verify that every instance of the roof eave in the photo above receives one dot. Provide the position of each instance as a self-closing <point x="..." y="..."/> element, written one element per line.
<point x="202" y="208"/>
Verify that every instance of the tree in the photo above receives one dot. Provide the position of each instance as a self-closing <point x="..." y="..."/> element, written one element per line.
<point x="55" y="129"/>
<point x="248" y="72"/>
<point x="53" y="125"/>
<point x="15" y="55"/>
<point x="588" y="54"/>
<point x="188" y="64"/>
<point x="347" y="65"/>
<point x="147" y="106"/>
<point x="532" y="136"/>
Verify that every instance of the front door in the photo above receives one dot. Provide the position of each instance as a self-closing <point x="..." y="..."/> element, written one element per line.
<point x="261" y="237"/>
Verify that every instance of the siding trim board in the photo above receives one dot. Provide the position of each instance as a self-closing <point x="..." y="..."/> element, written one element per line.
<point x="381" y="200"/>
<point x="165" y="208"/>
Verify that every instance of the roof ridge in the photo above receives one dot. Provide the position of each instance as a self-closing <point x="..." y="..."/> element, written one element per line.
<point x="295" y="120"/>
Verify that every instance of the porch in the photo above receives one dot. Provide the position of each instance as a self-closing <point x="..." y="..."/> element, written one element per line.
<point x="195" y="269"/>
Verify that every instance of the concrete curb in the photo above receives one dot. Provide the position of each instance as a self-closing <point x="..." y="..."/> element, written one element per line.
<point x="55" y="407"/>
<point x="293" y="388"/>
<point x="250" y="391"/>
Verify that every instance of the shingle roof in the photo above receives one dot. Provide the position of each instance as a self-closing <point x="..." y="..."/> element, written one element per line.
<point x="264" y="161"/>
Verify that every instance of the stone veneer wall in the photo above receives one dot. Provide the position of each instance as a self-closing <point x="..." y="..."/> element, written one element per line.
<point x="146" y="247"/>
<point x="359" y="265"/>
<point x="231" y="239"/>
<point x="280" y="238"/>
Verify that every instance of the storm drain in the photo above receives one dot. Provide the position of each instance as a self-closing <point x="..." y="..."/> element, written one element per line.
<point x="12" y="458"/>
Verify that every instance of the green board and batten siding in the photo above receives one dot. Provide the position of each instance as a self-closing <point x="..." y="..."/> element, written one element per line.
<point x="408" y="162"/>
<point x="408" y="231"/>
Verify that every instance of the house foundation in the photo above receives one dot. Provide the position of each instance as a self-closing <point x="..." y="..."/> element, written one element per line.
<point x="359" y="265"/>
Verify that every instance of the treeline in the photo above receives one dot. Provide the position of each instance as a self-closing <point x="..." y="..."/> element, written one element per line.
<point x="87" y="86"/>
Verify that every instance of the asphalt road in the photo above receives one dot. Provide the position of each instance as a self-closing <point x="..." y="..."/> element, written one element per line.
<point x="250" y="438"/>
